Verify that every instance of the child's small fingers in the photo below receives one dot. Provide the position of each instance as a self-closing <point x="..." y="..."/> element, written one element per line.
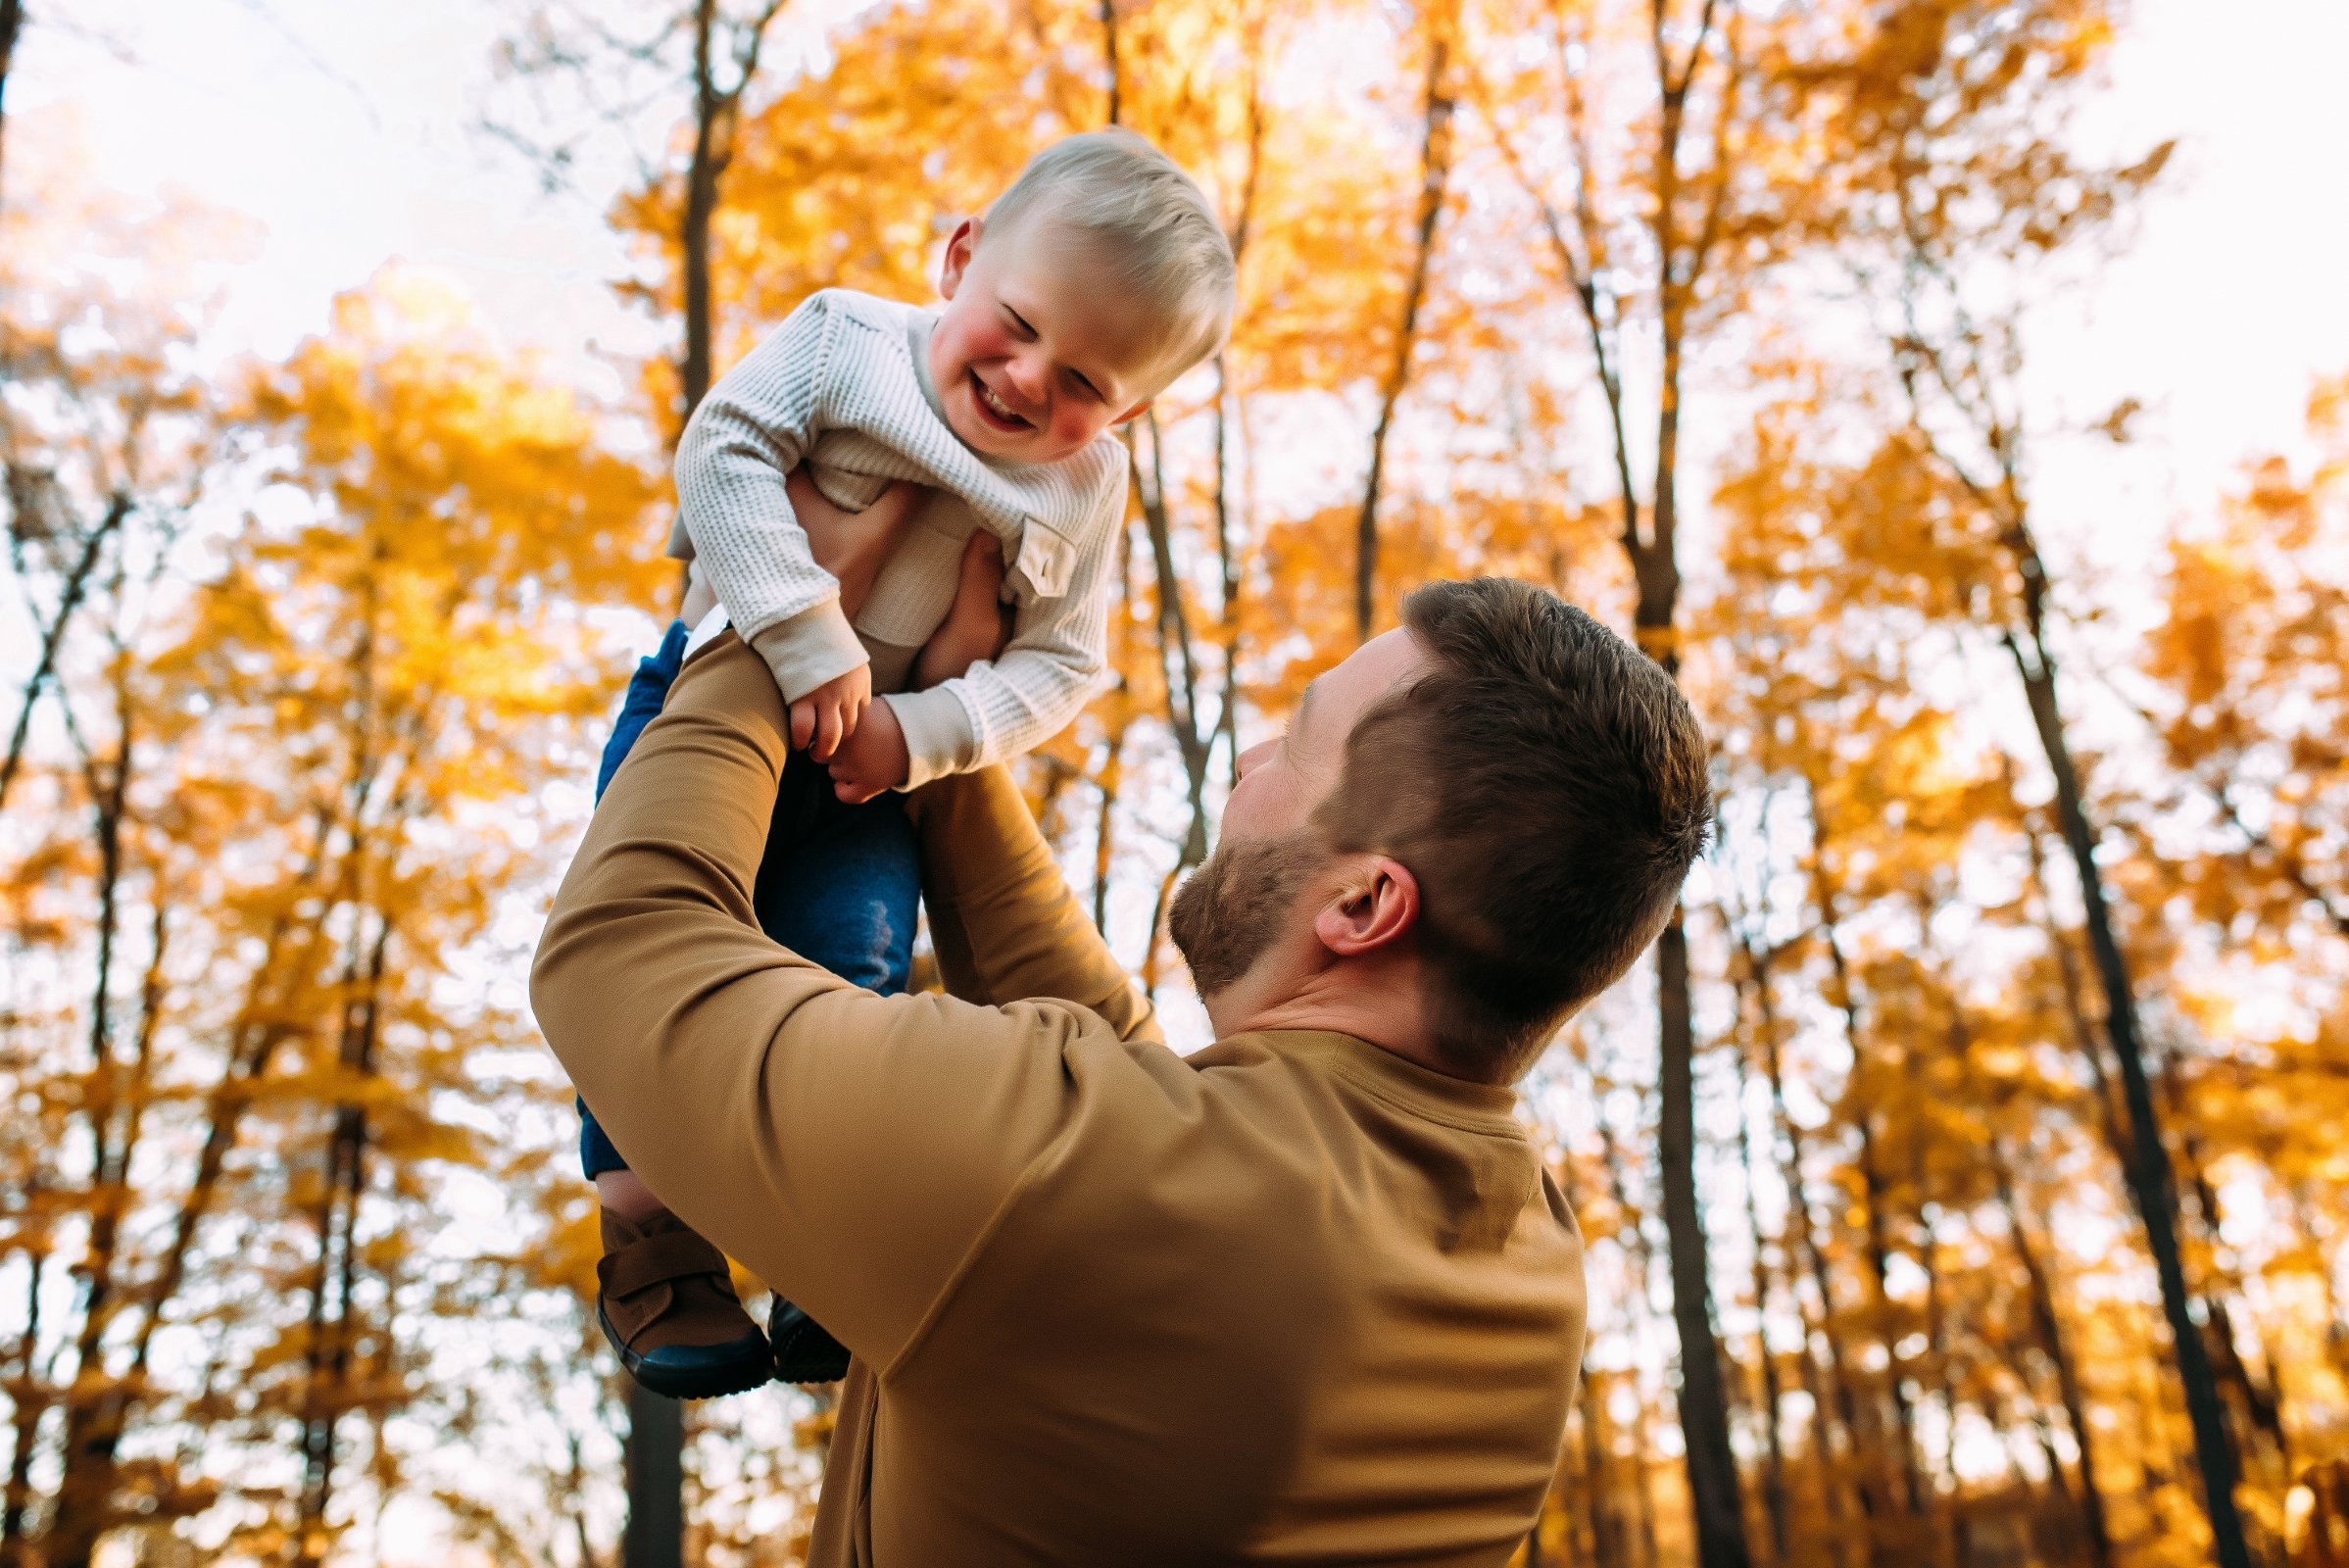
<point x="803" y="724"/>
<point x="827" y="734"/>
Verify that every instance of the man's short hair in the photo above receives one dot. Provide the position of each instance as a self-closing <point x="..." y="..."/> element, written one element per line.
<point x="1548" y="786"/>
<point x="1154" y="229"/>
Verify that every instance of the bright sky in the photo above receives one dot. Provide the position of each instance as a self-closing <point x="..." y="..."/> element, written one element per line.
<point x="348" y="131"/>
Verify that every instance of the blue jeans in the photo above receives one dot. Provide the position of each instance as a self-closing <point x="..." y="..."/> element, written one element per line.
<point x="839" y="884"/>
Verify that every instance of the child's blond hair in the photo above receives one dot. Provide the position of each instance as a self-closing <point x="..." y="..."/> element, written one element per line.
<point x="1152" y="223"/>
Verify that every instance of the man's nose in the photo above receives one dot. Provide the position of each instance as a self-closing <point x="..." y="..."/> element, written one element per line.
<point x="1253" y="756"/>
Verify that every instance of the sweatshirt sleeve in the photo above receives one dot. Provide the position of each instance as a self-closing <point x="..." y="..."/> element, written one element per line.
<point x="754" y="427"/>
<point x="1001" y="709"/>
<point x="754" y="1090"/>
<point x="1002" y="921"/>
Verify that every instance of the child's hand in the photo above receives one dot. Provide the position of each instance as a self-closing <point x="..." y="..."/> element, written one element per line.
<point x="873" y="758"/>
<point x="979" y="623"/>
<point x="829" y="714"/>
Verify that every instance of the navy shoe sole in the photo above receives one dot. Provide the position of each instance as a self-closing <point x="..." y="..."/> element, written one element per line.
<point x="697" y="1371"/>
<point x="804" y="1350"/>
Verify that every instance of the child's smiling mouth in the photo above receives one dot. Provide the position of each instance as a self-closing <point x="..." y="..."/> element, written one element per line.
<point x="993" y="409"/>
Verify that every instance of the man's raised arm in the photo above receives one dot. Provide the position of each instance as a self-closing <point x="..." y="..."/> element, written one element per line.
<point x="761" y="1097"/>
<point x="1002" y="921"/>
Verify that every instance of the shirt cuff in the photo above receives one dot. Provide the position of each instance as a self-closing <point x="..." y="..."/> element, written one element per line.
<point x="813" y="646"/>
<point x="939" y="737"/>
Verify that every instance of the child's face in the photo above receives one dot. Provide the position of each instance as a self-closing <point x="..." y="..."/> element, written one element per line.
<point x="1030" y="362"/>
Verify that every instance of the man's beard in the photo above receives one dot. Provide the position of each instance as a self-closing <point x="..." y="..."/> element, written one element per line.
<point x="1235" y="905"/>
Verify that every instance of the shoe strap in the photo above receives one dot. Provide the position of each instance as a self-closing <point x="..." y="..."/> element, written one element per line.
<point x="658" y="1259"/>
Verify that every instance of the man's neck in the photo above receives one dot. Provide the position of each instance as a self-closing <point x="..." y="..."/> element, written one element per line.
<point x="1380" y="1005"/>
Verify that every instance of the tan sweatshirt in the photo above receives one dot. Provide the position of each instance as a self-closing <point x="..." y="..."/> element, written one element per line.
<point x="1292" y="1299"/>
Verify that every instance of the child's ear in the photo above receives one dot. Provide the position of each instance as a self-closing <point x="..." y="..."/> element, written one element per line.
<point x="1134" y="412"/>
<point x="956" y="261"/>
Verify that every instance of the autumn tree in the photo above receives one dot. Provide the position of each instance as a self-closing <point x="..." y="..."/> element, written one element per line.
<point x="1658" y="153"/>
<point x="1946" y="223"/>
<point x="278" y="886"/>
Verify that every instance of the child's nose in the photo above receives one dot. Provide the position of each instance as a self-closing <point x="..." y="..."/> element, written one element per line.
<point x="1028" y="377"/>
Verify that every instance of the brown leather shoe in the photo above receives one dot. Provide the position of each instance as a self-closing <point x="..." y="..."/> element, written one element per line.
<point x="667" y="1305"/>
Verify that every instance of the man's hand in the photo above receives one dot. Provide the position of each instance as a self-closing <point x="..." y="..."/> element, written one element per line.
<point x="979" y="623"/>
<point x="872" y="758"/>
<point x="852" y="545"/>
<point x="829" y="714"/>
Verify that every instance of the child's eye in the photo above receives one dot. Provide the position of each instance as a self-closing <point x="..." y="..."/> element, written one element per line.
<point x="1019" y="325"/>
<point x="1079" y="387"/>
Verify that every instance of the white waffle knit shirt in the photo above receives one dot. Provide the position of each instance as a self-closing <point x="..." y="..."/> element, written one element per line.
<point x="844" y="386"/>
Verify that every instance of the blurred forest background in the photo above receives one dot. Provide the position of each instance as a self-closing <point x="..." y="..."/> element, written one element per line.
<point x="1963" y="1178"/>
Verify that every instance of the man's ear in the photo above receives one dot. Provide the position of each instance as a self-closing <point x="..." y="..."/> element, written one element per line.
<point x="1376" y="907"/>
<point x="959" y="248"/>
<point x="1134" y="412"/>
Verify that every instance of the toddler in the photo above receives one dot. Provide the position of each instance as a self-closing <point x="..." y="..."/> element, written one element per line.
<point x="1096" y="280"/>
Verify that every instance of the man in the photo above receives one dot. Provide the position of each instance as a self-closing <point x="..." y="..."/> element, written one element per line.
<point x="1308" y="1295"/>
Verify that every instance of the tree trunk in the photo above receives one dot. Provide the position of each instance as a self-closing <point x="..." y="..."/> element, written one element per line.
<point x="1178" y="654"/>
<point x="1113" y="111"/>
<point x="655" y="1533"/>
<point x="1435" y="175"/>
<point x="1104" y="830"/>
<point x="1880" y="1257"/>
<point x="85" y="1501"/>
<point x="1804" y="1240"/>
<point x="1928" y="1262"/>
<point x="1588" y="1527"/>
<point x="701" y="205"/>
<point x="1713" y="1487"/>
<point x="2151" y="1182"/>
<point x="70" y="596"/>
<point x="329" y="1350"/>
<point x="27" y="1402"/>
<point x="1227" y="562"/>
<point x="260" y="1028"/>
<point x="12" y="23"/>
<point x="1774" y="1476"/>
<point x="2050" y="1331"/>
<point x="2256" y="1405"/>
<point x="1643" y="1489"/>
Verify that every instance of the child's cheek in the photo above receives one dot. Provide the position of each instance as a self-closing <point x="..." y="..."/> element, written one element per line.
<point x="981" y="344"/>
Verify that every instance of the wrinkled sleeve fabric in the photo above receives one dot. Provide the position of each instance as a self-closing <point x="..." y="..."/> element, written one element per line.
<point x="851" y="1148"/>
<point x="1002" y="921"/>
<point x="734" y="517"/>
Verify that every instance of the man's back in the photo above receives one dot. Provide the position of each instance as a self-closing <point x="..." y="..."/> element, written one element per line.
<point x="1291" y="1301"/>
